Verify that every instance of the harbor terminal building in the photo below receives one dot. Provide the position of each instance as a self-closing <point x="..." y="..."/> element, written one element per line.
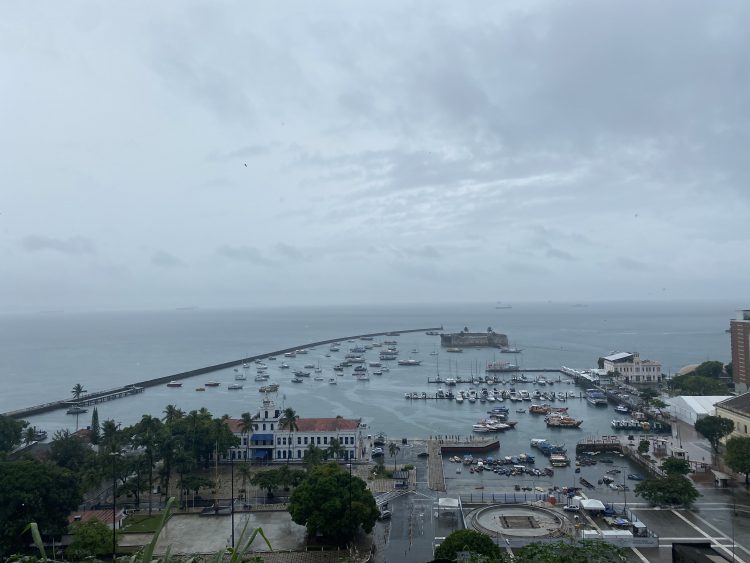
<point x="627" y="367"/>
<point x="272" y="440"/>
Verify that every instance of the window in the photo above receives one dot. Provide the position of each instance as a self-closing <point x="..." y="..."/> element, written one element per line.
<point x="299" y="454"/>
<point x="305" y="440"/>
<point x="318" y="440"/>
<point x="272" y="426"/>
<point x="266" y="414"/>
<point x="264" y="426"/>
<point x="278" y="441"/>
<point x="325" y="439"/>
<point x="299" y="440"/>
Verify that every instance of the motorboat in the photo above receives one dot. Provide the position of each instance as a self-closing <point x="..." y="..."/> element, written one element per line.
<point x="332" y="380"/>
<point x="409" y="362"/>
<point x="76" y="409"/>
<point x="200" y="388"/>
<point x="174" y="384"/>
<point x="212" y="384"/>
<point x="297" y="380"/>
<point x="622" y="409"/>
<point x="284" y="365"/>
<point x="240" y="376"/>
<point x="234" y="387"/>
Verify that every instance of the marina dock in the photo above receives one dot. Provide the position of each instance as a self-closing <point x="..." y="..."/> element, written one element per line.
<point x="437" y="446"/>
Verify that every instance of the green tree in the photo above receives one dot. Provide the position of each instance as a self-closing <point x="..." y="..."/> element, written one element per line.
<point x="10" y="432"/>
<point x="643" y="446"/>
<point x="34" y="491"/>
<point x="711" y="369"/>
<point x="729" y="370"/>
<point x="470" y="541"/>
<point x="146" y="436"/>
<point x="335" y="449"/>
<point x="669" y="490"/>
<point x="714" y="428"/>
<point x="393" y="451"/>
<point x="111" y="438"/>
<point x="738" y="455"/>
<point x="313" y="456"/>
<point x="71" y="452"/>
<point x="95" y="430"/>
<point x="648" y="395"/>
<point x="172" y="414"/>
<point x="289" y="420"/>
<point x="696" y="385"/>
<point x="78" y="391"/>
<point x="333" y="503"/>
<point x="90" y="539"/>
<point x="29" y="435"/>
<point x="675" y="466"/>
<point x="267" y="480"/>
<point x="564" y="552"/>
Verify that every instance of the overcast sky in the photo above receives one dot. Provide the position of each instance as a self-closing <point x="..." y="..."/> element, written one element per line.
<point x="169" y="154"/>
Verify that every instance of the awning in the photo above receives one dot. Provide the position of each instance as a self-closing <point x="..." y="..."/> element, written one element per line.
<point x="592" y="504"/>
<point x="261" y="454"/>
<point x="262" y="438"/>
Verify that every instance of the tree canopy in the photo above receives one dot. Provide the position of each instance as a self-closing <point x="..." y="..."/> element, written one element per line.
<point x="333" y="503"/>
<point x="738" y="455"/>
<point x="565" y="552"/>
<point x="38" y="492"/>
<point x="697" y="385"/>
<point x="714" y="428"/>
<point x="10" y="432"/>
<point x="90" y="539"/>
<point x="669" y="490"/>
<point x="711" y="369"/>
<point x="467" y="540"/>
<point x="675" y="466"/>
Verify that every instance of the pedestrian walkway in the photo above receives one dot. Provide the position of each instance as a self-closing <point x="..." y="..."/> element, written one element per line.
<point x="435" y="477"/>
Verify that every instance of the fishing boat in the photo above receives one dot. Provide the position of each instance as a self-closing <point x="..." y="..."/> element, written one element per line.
<point x="200" y="388"/>
<point x="560" y="421"/>
<point x="174" y="384"/>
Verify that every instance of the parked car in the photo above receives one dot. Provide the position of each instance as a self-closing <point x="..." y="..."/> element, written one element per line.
<point x="377" y="451"/>
<point x="572" y="508"/>
<point x="385" y="515"/>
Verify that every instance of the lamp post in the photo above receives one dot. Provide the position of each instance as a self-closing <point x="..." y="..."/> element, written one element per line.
<point x="114" y="455"/>
<point x="231" y="465"/>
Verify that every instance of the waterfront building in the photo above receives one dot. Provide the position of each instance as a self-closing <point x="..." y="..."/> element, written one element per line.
<point x="466" y="339"/>
<point x="270" y="440"/>
<point x="627" y="367"/>
<point x="736" y="409"/>
<point x="739" y="329"/>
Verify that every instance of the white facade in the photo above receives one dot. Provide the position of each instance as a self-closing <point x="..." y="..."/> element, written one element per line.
<point x="629" y="368"/>
<point x="269" y="441"/>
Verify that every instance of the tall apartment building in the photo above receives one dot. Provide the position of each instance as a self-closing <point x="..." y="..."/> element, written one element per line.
<point x="740" y="331"/>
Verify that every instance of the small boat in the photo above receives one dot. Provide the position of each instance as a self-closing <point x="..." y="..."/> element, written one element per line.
<point x="520" y="411"/>
<point x="318" y="378"/>
<point x="284" y="365"/>
<point x="76" y="410"/>
<point x="297" y="380"/>
<point x="174" y="384"/>
<point x="235" y="387"/>
<point x="240" y="377"/>
<point x="271" y="357"/>
<point x="332" y="381"/>
<point x="622" y="408"/>
<point x="212" y="384"/>
<point x="409" y="362"/>
<point x="200" y="388"/>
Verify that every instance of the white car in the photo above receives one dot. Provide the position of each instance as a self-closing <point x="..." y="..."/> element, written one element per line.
<point x="571" y="508"/>
<point x="377" y="452"/>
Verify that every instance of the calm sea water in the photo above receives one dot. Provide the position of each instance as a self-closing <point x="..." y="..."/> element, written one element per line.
<point x="43" y="356"/>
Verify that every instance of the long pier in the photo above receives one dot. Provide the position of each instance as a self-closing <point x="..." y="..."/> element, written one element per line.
<point x="125" y="390"/>
<point x="437" y="446"/>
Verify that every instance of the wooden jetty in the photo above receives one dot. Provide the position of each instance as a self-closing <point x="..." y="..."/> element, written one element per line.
<point x="139" y="386"/>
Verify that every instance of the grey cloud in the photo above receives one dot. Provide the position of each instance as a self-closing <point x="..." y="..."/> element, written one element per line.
<point x="247" y="151"/>
<point x="244" y="254"/>
<point x="291" y="252"/>
<point x="166" y="260"/>
<point x="74" y="246"/>
<point x="559" y="254"/>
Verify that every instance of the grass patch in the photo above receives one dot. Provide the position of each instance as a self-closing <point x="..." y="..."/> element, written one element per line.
<point x="140" y="523"/>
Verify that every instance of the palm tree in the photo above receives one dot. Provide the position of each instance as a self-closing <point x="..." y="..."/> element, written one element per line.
<point x="247" y="425"/>
<point x="393" y="450"/>
<point x="77" y="391"/>
<point x="172" y="413"/>
<point x="147" y="431"/>
<point x="335" y="449"/>
<point x="110" y="437"/>
<point x="289" y="419"/>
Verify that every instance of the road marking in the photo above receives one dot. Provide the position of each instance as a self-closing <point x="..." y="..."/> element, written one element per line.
<point x="705" y="535"/>
<point x="639" y="555"/>
<point x="717" y="529"/>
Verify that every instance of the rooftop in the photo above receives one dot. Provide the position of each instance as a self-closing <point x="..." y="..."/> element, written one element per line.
<point x="104" y="516"/>
<point x="739" y="404"/>
<point x="326" y="424"/>
<point x="618" y="356"/>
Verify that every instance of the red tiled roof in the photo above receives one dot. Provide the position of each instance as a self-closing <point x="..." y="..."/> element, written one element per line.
<point x="326" y="424"/>
<point x="234" y="424"/>
<point x="104" y="516"/>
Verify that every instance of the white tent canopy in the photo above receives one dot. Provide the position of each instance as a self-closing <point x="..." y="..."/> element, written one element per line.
<point x="448" y="503"/>
<point x="592" y="504"/>
<point x="689" y="409"/>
